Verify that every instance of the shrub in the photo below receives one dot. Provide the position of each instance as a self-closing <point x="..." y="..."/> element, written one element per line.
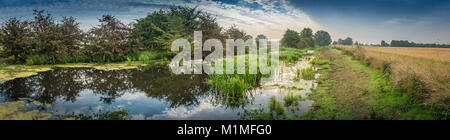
<point x="36" y="60"/>
<point x="413" y="85"/>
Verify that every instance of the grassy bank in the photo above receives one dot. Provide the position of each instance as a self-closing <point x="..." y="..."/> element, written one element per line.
<point x="351" y="90"/>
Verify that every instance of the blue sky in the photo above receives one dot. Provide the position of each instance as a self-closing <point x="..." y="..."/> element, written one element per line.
<point x="368" y="21"/>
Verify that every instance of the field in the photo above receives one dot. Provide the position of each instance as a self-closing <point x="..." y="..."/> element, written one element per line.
<point x="416" y="71"/>
<point x="438" y="54"/>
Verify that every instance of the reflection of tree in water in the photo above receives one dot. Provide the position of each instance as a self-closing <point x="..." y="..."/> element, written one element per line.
<point x="156" y="82"/>
<point x="232" y="101"/>
<point x="161" y="83"/>
<point x="67" y="84"/>
<point x="110" y="84"/>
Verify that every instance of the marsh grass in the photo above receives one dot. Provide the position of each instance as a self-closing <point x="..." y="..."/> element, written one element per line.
<point x="291" y="101"/>
<point x="291" y="55"/>
<point x="308" y="74"/>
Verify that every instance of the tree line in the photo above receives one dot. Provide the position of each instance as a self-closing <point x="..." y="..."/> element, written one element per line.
<point x="305" y="39"/>
<point x="406" y="43"/>
<point x="394" y="43"/>
<point x="46" y="40"/>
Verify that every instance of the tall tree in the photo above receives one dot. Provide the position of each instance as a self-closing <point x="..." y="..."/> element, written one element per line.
<point x="306" y="37"/>
<point x="110" y="39"/>
<point x="290" y="39"/>
<point x="46" y="33"/>
<point x="16" y="38"/>
<point x="322" y="38"/>
<point x="306" y="33"/>
<point x="70" y="35"/>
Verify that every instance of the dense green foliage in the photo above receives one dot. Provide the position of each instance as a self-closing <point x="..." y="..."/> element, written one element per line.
<point x="290" y="39"/>
<point x="44" y="40"/>
<point x="305" y="39"/>
<point x="322" y="38"/>
<point x="346" y="41"/>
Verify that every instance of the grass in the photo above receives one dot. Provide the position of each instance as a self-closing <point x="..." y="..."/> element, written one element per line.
<point x="235" y="84"/>
<point x="352" y="90"/>
<point x="418" y="77"/>
<point x="308" y="74"/>
<point x="438" y="54"/>
<point x="292" y="101"/>
<point x="291" y="55"/>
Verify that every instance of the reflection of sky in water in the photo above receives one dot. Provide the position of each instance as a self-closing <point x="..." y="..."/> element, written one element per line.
<point x="153" y="105"/>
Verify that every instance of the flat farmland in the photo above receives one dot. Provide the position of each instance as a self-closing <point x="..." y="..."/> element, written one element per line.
<point x="439" y="54"/>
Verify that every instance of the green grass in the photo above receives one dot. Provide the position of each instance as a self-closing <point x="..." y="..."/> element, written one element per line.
<point x="308" y="74"/>
<point x="291" y="55"/>
<point x="292" y="101"/>
<point x="317" y="61"/>
<point x="235" y="84"/>
<point x="384" y="99"/>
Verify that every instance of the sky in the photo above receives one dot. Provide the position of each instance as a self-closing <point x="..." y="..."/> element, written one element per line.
<point x="366" y="21"/>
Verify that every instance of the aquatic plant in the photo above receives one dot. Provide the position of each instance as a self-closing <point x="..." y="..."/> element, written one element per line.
<point x="308" y="74"/>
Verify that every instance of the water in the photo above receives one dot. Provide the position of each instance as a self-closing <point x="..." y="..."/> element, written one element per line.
<point x="148" y="93"/>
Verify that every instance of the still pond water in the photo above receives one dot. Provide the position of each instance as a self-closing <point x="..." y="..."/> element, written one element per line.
<point x="149" y="93"/>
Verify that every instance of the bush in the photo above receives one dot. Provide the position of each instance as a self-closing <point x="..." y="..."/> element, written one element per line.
<point x="413" y="85"/>
<point x="37" y="60"/>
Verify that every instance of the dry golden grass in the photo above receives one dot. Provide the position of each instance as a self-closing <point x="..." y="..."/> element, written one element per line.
<point x="439" y="54"/>
<point x="434" y="74"/>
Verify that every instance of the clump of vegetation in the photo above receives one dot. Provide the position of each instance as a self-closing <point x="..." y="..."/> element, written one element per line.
<point x="291" y="55"/>
<point x="116" y="115"/>
<point x="292" y="101"/>
<point x="276" y="108"/>
<point x="44" y="40"/>
<point x="308" y="74"/>
<point x="317" y="61"/>
<point x="235" y="84"/>
<point x="20" y="110"/>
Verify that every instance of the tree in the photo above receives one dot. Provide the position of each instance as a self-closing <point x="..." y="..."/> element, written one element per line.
<point x="70" y="35"/>
<point x="290" y="39"/>
<point x="322" y="38"/>
<point x="16" y="39"/>
<point x="384" y="44"/>
<point x="160" y="28"/>
<point x="109" y="41"/>
<point x="45" y="32"/>
<point x="235" y="33"/>
<point x="306" y="33"/>
<point x="259" y="37"/>
<point x="306" y="37"/>
<point x="347" y="41"/>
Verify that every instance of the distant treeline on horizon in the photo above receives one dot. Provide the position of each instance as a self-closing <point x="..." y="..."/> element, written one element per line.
<point x="406" y="43"/>
<point x="394" y="43"/>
